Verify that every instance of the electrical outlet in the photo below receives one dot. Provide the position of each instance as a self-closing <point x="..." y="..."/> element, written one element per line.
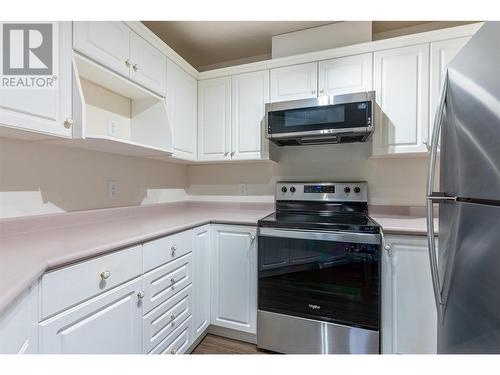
<point x="112" y="189"/>
<point x="112" y="127"/>
<point x="243" y="189"/>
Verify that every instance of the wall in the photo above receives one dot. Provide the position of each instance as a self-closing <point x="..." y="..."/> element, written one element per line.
<point x="38" y="178"/>
<point x="391" y="181"/>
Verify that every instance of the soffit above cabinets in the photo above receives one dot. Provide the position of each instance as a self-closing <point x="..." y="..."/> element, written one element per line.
<point x="208" y="45"/>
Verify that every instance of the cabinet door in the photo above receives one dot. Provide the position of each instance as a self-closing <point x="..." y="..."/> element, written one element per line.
<point x="149" y="65"/>
<point x="294" y="82"/>
<point x="234" y="278"/>
<point x="250" y="93"/>
<point x="108" y="324"/>
<point x="182" y="110"/>
<point x="40" y="110"/>
<point x="345" y="75"/>
<point x="105" y="42"/>
<point x="442" y="53"/>
<point x="214" y="119"/>
<point x="409" y="320"/>
<point x="401" y="81"/>
<point x="19" y="325"/>
<point x="201" y="280"/>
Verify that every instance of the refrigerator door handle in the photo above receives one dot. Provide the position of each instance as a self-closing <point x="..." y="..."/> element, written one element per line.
<point x="433" y="197"/>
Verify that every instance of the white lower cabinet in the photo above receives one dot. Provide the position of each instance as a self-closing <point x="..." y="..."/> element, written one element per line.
<point x="163" y="320"/>
<point x="178" y="342"/>
<point x="234" y="277"/>
<point x="19" y="325"/>
<point x="107" y="324"/>
<point x="201" y="280"/>
<point x="409" y="320"/>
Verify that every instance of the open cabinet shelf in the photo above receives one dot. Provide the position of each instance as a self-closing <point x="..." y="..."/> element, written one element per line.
<point x="115" y="115"/>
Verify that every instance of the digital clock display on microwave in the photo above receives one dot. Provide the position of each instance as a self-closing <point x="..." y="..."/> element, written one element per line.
<point x="330" y="189"/>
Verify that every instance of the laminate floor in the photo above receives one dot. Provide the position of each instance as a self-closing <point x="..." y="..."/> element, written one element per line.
<point x="213" y="344"/>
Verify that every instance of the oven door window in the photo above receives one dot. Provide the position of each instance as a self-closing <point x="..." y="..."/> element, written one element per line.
<point x="336" y="282"/>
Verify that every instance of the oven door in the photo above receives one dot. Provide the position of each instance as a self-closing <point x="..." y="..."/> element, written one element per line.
<point x="326" y="276"/>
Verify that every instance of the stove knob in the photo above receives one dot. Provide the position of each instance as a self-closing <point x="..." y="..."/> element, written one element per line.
<point x="347" y="190"/>
<point x="357" y="189"/>
<point x="292" y="189"/>
<point x="283" y="189"/>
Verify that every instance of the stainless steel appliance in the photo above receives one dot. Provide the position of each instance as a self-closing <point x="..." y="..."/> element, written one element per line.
<point x="319" y="271"/>
<point x="465" y="266"/>
<point x="323" y="120"/>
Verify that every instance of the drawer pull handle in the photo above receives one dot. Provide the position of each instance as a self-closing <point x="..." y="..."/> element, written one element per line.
<point x="173" y="248"/>
<point x="141" y="295"/>
<point x="135" y="67"/>
<point x="173" y="351"/>
<point x="105" y="275"/>
<point x="172" y="280"/>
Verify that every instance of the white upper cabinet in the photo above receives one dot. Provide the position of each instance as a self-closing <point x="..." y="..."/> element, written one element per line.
<point x="294" y="82"/>
<point x="42" y="111"/>
<point x="442" y="53"/>
<point x="401" y="81"/>
<point x="214" y="119"/>
<point x="201" y="280"/>
<point x="345" y="75"/>
<point x="108" y="324"/>
<point x="149" y="65"/>
<point x="234" y="278"/>
<point x="409" y="319"/>
<point x="250" y="92"/>
<point x="115" y="46"/>
<point x="106" y="42"/>
<point x="182" y="109"/>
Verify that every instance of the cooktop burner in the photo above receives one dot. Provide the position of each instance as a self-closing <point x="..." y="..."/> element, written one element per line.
<point x="331" y="206"/>
<point x="352" y="222"/>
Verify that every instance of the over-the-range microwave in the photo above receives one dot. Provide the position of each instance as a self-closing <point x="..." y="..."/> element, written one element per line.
<point x="327" y="119"/>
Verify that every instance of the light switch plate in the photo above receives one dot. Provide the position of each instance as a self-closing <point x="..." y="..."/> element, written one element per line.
<point x="112" y="189"/>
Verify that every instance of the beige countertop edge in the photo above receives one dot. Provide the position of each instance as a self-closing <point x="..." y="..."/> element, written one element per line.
<point x="35" y="272"/>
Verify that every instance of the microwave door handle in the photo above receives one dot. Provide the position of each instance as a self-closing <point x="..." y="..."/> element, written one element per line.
<point x="433" y="198"/>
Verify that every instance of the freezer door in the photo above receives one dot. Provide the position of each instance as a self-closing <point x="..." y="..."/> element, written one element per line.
<point x="469" y="261"/>
<point x="470" y="138"/>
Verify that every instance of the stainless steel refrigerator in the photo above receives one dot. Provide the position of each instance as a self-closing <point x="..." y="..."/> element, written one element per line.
<point x="466" y="263"/>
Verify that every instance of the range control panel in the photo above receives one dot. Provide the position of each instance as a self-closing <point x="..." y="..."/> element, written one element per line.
<point x="322" y="191"/>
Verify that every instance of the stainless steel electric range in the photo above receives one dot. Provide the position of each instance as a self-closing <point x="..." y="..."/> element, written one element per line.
<point x="319" y="271"/>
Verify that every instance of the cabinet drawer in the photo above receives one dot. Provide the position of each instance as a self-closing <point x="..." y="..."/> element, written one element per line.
<point x="166" y="249"/>
<point x="163" y="320"/>
<point x="165" y="281"/>
<point x="71" y="285"/>
<point x="178" y="342"/>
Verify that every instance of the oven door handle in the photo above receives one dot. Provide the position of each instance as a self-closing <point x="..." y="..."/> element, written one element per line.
<point x="368" y="238"/>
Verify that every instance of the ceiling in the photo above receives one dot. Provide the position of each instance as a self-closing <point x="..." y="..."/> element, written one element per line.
<point x="213" y="44"/>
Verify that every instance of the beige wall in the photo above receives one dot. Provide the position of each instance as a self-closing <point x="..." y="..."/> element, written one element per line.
<point x="38" y="178"/>
<point x="391" y="181"/>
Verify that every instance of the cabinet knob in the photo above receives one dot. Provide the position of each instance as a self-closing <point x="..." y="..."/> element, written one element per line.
<point x="105" y="275"/>
<point x="135" y="67"/>
<point x="427" y="145"/>
<point x="387" y="247"/>
<point x="127" y="62"/>
<point x="232" y="153"/>
<point x="141" y="295"/>
<point x="226" y="153"/>
<point x="321" y="91"/>
<point x="68" y="123"/>
<point x="172" y="280"/>
<point x="173" y="351"/>
<point x="313" y="92"/>
<point x="172" y="317"/>
<point x="173" y="248"/>
<point x="252" y="238"/>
